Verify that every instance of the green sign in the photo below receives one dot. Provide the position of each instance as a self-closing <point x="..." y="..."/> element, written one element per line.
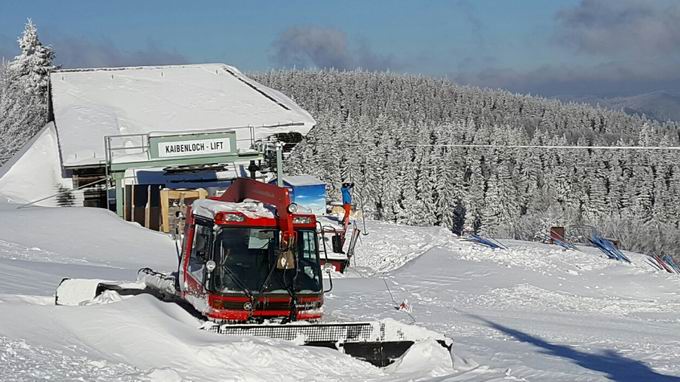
<point x="192" y="145"/>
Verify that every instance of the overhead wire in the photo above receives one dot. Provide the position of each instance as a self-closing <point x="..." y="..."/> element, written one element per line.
<point x="396" y="305"/>
<point x="492" y="146"/>
<point x="671" y="149"/>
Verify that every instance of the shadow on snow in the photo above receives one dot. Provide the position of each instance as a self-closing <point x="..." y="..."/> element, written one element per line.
<point x="615" y="366"/>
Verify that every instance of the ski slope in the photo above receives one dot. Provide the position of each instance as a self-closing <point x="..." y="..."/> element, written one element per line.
<point x="533" y="312"/>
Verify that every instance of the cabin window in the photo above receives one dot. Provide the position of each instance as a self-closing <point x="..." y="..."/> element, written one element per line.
<point x="244" y="257"/>
<point x="246" y="260"/>
<point x="309" y="261"/>
<point x="200" y="251"/>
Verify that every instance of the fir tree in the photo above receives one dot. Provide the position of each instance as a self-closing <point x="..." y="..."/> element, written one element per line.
<point x="397" y="123"/>
<point x="23" y="93"/>
<point x="33" y="65"/>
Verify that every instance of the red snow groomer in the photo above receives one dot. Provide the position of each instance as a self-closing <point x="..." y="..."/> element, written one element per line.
<point x="248" y="256"/>
<point x="250" y="264"/>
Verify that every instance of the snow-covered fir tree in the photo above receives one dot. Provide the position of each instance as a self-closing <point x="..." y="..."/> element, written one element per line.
<point x="396" y="134"/>
<point x="32" y="67"/>
<point x="24" y="88"/>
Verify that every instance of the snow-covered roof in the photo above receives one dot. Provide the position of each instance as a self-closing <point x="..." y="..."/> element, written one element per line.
<point x="90" y="104"/>
<point x="34" y="172"/>
<point x="302" y="180"/>
<point x="208" y="208"/>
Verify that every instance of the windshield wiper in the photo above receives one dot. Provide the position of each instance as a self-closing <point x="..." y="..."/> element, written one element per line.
<point x="266" y="280"/>
<point x="239" y="283"/>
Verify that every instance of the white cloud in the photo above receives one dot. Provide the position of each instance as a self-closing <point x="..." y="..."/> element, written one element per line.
<point x="77" y="53"/>
<point x="320" y="47"/>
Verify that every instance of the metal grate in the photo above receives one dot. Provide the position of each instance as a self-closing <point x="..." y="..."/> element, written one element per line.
<point x="355" y="332"/>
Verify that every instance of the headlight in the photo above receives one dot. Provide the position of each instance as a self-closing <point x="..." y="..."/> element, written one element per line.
<point x="231" y="217"/>
<point x="292" y="208"/>
<point x="302" y="220"/>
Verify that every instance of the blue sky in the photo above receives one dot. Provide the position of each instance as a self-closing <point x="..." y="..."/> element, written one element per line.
<point x="549" y="47"/>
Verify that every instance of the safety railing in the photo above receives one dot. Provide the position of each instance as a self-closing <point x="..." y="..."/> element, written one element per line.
<point x="137" y="145"/>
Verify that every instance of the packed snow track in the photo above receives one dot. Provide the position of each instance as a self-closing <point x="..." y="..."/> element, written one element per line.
<point x="530" y="313"/>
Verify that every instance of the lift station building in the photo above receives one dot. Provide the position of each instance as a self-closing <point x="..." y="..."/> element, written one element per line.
<point x="174" y="127"/>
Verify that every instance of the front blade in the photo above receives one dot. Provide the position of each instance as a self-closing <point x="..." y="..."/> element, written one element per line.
<point x="367" y="341"/>
<point x="334" y="332"/>
<point x="379" y="354"/>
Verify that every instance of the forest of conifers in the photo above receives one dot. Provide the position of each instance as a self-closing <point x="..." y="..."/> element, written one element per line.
<point x="397" y="136"/>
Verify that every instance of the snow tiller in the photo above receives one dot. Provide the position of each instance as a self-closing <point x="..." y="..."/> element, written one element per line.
<point x="250" y="265"/>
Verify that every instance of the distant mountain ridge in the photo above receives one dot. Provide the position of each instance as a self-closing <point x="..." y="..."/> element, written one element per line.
<point x="659" y="105"/>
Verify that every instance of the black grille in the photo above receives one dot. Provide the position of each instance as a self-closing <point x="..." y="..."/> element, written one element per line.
<point x="238" y="305"/>
<point x="356" y="332"/>
<point x="276" y="305"/>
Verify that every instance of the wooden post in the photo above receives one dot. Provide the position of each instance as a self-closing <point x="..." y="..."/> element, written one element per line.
<point x="165" y="210"/>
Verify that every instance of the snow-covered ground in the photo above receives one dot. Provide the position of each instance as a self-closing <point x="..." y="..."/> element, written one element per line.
<point x="530" y="313"/>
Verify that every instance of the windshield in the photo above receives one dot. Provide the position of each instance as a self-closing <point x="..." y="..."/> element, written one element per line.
<point x="246" y="259"/>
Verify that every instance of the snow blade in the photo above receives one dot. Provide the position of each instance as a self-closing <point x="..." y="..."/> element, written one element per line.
<point x="379" y="354"/>
<point x="367" y="341"/>
<point x="74" y="292"/>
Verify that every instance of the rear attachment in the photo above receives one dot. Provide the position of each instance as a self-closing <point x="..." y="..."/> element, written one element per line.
<point x="82" y="291"/>
<point x="380" y="343"/>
